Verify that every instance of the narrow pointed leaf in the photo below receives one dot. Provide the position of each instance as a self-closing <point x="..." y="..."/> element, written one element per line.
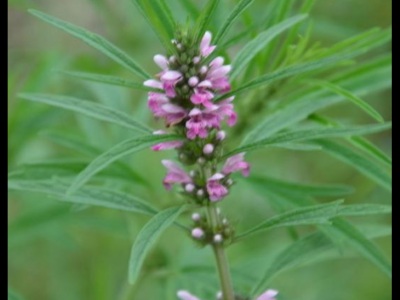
<point x="96" y="41"/>
<point x="364" y="209"/>
<point x="236" y="12"/>
<point x="87" y="195"/>
<point x="108" y="79"/>
<point x="315" y="214"/>
<point x="259" y="43"/>
<point x="351" y="97"/>
<point x="359" y="162"/>
<point x="147" y="237"/>
<point x="205" y="17"/>
<point x="90" y="109"/>
<point x="310" y="134"/>
<point x="124" y="148"/>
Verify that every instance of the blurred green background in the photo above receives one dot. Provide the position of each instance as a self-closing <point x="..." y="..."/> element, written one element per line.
<point x="59" y="251"/>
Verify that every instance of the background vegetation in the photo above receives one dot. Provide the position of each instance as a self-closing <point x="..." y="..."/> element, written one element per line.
<point x="63" y="251"/>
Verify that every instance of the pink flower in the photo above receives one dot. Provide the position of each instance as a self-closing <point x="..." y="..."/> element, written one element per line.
<point x="185" y="295"/>
<point x="169" y="79"/>
<point x="196" y="126"/>
<point x="166" y="145"/>
<point x="161" y="61"/>
<point x="202" y="96"/>
<point x="153" y="83"/>
<point x="268" y="295"/>
<point x="236" y="163"/>
<point x="175" y="174"/>
<point x="162" y="108"/>
<point x="205" y="48"/>
<point x="225" y="109"/>
<point x="155" y="103"/>
<point x="217" y="75"/>
<point x="215" y="189"/>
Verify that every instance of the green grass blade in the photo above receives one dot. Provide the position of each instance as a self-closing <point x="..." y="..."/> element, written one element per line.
<point x="192" y="9"/>
<point x="300" y="189"/>
<point x="351" y="97"/>
<point x="310" y="134"/>
<point x="311" y="215"/>
<point x="237" y="11"/>
<point x="259" y="43"/>
<point x="108" y="79"/>
<point x="86" y="195"/>
<point x="96" y="41"/>
<point x="122" y="149"/>
<point x="359" y="162"/>
<point x="363" y="245"/>
<point x="90" y="109"/>
<point x="146" y="238"/>
<point x="205" y="18"/>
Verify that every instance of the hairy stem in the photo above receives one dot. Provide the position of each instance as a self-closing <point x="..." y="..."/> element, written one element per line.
<point x="221" y="259"/>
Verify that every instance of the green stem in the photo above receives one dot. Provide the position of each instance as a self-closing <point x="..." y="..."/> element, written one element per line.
<point x="221" y="259"/>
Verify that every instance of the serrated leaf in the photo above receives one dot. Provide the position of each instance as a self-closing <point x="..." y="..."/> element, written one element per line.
<point x="120" y="150"/>
<point x="87" y="195"/>
<point x="236" y="12"/>
<point x="362" y="164"/>
<point x="147" y="236"/>
<point x="205" y="17"/>
<point x="310" y="134"/>
<point x="90" y="109"/>
<point x="299" y="189"/>
<point x="256" y="45"/>
<point x="108" y="79"/>
<point x="351" y="97"/>
<point x="96" y="41"/>
<point x="311" y="215"/>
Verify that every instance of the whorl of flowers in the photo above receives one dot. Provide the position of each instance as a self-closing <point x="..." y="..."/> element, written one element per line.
<point x="189" y="97"/>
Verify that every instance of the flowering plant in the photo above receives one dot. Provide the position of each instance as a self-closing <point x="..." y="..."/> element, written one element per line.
<point x="193" y="97"/>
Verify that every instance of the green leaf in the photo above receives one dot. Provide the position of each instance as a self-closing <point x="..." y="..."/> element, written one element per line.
<point x="205" y="17"/>
<point x="86" y="195"/>
<point x="112" y="80"/>
<point x="297" y="146"/>
<point x="120" y="150"/>
<point x="315" y="214"/>
<point x="351" y="97"/>
<point x="236" y="12"/>
<point x="362" y="244"/>
<point x="12" y="295"/>
<point x="309" y="134"/>
<point x="192" y="9"/>
<point x="147" y="237"/>
<point x="256" y="45"/>
<point x="359" y="162"/>
<point x="300" y="190"/>
<point x="289" y="72"/>
<point x="90" y="109"/>
<point x="364" y="209"/>
<point x="301" y="251"/>
<point x="96" y="41"/>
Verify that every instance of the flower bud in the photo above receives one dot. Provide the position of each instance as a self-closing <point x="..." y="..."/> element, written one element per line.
<point x="189" y="187"/>
<point x="203" y="70"/>
<point x="221" y="135"/>
<point x="208" y="149"/>
<point x="196" y="217"/>
<point x="193" y="81"/>
<point x="201" y="160"/>
<point x="200" y="193"/>
<point x="196" y="60"/>
<point x="197" y="233"/>
<point x="218" y="238"/>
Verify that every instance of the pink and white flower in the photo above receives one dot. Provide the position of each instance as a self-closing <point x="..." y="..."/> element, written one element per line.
<point x="216" y="191"/>
<point x="185" y="295"/>
<point x="169" y="79"/>
<point x="205" y="48"/>
<point x="196" y="125"/>
<point x="166" y="145"/>
<point x="236" y="163"/>
<point x="268" y="295"/>
<point x="174" y="175"/>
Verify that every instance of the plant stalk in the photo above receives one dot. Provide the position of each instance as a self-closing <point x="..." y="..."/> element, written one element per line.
<point x="222" y="261"/>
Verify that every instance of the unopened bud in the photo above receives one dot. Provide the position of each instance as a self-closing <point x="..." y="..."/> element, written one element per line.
<point x="192" y="173"/>
<point x="189" y="187"/>
<point x="200" y="193"/>
<point x="208" y="149"/>
<point x="196" y="59"/>
<point x="193" y="81"/>
<point x="229" y="181"/>
<point x="172" y="59"/>
<point x="197" y="233"/>
<point x="218" y="238"/>
<point x="201" y="160"/>
<point x="196" y="217"/>
<point x="221" y="135"/>
<point x="203" y="70"/>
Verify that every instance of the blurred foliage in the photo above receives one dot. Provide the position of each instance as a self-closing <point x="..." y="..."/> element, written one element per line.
<point x="63" y="251"/>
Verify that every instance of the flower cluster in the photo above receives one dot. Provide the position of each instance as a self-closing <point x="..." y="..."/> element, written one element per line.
<point x="267" y="295"/>
<point x="189" y="97"/>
